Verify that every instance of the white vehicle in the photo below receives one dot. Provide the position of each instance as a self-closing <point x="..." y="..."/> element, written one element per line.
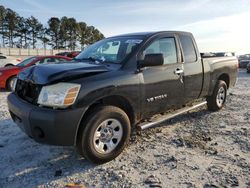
<point x="6" y="61"/>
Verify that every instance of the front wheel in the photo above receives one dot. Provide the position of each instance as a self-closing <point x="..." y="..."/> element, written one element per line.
<point x="216" y="101"/>
<point x="104" y="134"/>
<point x="10" y="83"/>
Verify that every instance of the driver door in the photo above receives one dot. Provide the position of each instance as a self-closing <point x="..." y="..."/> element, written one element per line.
<point x="163" y="87"/>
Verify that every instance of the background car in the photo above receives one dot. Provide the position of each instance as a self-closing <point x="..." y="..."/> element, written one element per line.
<point x="244" y="60"/>
<point x="244" y="63"/>
<point x="217" y="54"/>
<point x="74" y="54"/>
<point x="69" y="54"/>
<point x="224" y="54"/>
<point x="63" y="54"/>
<point x="248" y="68"/>
<point x="6" y="61"/>
<point x="8" y="74"/>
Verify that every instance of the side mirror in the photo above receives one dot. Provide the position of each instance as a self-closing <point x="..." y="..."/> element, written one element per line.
<point x="152" y="60"/>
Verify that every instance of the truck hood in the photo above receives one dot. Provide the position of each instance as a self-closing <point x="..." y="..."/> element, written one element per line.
<point x="47" y="74"/>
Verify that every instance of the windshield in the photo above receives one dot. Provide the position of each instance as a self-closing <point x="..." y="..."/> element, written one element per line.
<point x="112" y="50"/>
<point x="26" y="62"/>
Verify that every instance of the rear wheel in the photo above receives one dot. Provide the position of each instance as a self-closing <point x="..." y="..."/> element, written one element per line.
<point x="216" y="101"/>
<point x="104" y="134"/>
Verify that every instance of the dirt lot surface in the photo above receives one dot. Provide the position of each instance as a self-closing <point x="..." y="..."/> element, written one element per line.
<point x="198" y="149"/>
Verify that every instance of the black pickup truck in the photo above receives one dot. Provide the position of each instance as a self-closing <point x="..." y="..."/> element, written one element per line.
<point x="113" y="87"/>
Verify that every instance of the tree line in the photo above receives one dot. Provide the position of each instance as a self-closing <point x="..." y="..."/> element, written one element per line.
<point x="58" y="33"/>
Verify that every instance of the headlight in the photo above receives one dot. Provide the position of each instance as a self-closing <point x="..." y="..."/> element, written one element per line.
<point x="59" y="95"/>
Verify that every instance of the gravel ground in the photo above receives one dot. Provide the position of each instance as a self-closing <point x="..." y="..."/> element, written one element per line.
<point x="198" y="149"/>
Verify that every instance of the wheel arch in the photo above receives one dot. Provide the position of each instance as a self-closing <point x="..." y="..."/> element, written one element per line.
<point x="113" y="100"/>
<point x="9" y="64"/>
<point x="225" y="77"/>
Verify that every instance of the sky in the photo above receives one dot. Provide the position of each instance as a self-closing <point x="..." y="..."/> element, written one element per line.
<point x="218" y="25"/>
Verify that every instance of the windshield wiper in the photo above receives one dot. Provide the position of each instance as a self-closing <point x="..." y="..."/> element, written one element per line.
<point x="97" y="61"/>
<point x="89" y="58"/>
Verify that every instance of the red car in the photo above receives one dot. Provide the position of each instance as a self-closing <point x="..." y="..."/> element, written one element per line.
<point x="69" y="54"/>
<point x="74" y="54"/>
<point x="8" y="74"/>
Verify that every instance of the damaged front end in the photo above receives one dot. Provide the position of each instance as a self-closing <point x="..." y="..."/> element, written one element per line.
<point x="49" y="80"/>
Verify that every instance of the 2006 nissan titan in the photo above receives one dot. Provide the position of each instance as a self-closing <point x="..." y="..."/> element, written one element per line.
<point x="113" y="86"/>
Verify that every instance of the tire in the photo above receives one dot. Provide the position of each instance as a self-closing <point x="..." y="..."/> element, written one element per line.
<point x="10" y="82"/>
<point x="104" y="134"/>
<point x="216" y="101"/>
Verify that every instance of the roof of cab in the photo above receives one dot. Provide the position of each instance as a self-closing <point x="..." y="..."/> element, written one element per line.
<point x="147" y="34"/>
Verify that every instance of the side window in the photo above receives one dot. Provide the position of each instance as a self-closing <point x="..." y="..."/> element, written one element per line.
<point x="165" y="46"/>
<point x="46" y="61"/>
<point x="57" y="60"/>
<point x="40" y="62"/>
<point x="62" y="59"/>
<point x="188" y="48"/>
<point x="49" y="60"/>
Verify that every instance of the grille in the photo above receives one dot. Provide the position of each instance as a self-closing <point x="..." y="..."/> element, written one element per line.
<point x="27" y="91"/>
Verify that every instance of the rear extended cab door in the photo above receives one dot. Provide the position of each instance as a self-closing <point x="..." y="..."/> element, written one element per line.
<point x="192" y="67"/>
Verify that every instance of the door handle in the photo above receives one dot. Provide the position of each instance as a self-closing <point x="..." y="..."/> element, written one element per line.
<point x="178" y="71"/>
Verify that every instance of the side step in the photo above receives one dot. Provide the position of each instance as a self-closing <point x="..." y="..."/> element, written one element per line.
<point x="146" y="125"/>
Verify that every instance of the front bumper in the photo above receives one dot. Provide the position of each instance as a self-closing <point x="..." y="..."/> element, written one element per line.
<point x="44" y="125"/>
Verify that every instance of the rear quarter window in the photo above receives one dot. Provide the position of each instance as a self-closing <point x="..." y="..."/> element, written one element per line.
<point x="189" y="52"/>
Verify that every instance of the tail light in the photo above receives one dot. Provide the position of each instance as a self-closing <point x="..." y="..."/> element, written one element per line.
<point x="19" y="60"/>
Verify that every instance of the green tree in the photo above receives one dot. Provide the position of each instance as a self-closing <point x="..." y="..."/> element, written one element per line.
<point x="35" y="28"/>
<point x="93" y="35"/>
<point x="82" y="26"/>
<point x="63" y="36"/>
<point x="44" y="37"/>
<point x="2" y="24"/>
<point x="10" y="25"/>
<point x="22" y="33"/>
<point x="64" y="33"/>
<point x="72" y="31"/>
<point x="54" y="31"/>
<point x="68" y="33"/>
<point x="97" y="35"/>
<point x="25" y="31"/>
